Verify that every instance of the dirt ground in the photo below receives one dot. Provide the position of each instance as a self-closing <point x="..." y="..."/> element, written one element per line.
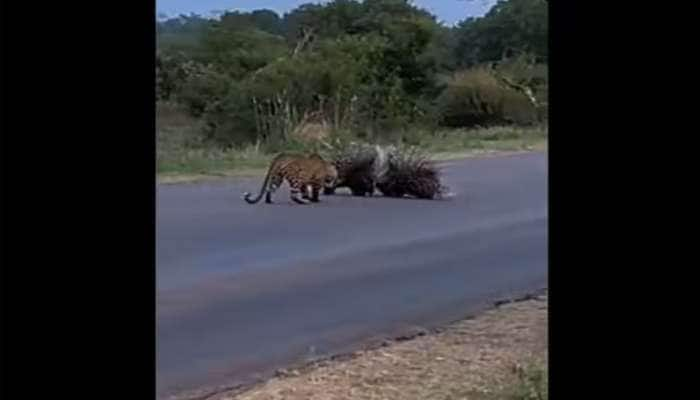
<point x="479" y="358"/>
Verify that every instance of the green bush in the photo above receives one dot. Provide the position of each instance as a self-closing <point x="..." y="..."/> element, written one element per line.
<point x="230" y="120"/>
<point x="203" y="87"/>
<point x="523" y="70"/>
<point x="532" y="383"/>
<point x="476" y="97"/>
<point x="176" y="128"/>
<point x="171" y="71"/>
<point x="372" y="68"/>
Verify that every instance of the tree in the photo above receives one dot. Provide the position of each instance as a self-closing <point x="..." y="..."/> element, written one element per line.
<point x="510" y="28"/>
<point x="239" y="51"/>
<point x="264" y="20"/>
<point x="366" y="66"/>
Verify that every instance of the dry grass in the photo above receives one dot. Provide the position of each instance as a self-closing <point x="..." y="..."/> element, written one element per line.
<point x="180" y="166"/>
<point x="493" y="139"/>
<point x="182" y="156"/>
<point x="499" y="355"/>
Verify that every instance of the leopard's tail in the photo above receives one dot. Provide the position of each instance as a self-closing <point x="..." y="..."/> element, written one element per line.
<point x="247" y="195"/>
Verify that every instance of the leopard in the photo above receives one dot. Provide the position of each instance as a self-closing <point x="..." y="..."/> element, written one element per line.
<point x="306" y="175"/>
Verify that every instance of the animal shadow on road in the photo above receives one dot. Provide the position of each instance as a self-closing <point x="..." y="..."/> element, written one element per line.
<point x="284" y="200"/>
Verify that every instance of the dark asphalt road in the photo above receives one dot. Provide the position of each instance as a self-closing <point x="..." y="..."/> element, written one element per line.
<point x="243" y="289"/>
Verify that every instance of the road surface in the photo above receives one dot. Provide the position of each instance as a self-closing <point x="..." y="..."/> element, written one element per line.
<point x="244" y="289"/>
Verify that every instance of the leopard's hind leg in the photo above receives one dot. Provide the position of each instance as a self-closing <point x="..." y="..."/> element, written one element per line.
<point x="315" y="191"/>
<point x="306" y="192"/>
<point x="296" y="189"/>
<point x="275" y="183"/>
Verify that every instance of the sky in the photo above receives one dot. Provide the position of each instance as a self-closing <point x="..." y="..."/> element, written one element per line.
<point x="447" y="11"/>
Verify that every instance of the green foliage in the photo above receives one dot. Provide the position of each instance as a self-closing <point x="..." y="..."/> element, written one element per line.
<point x="180" y="32"/>
<point x="331" y="20"/>
<point x="511" y="27"/>
<point x="175" y="128"/>
<point x="532" y="383"/>
<point x="202" y="87"/>
<point x="263" y="20"/>
<point x="238" y="52"/>
<point x="523" y="70"/>
<point x="231" y="120"/>
<point x="477" y="97"/>
<point x="376" y="68"/>
<point x="169" y="74"/>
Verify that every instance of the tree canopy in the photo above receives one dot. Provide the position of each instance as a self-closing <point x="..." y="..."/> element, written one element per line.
<point x="368" y="65"/>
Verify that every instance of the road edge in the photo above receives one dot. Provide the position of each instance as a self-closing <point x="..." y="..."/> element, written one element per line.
<point x="407" y="335"/>
<point x="441" y="159"/>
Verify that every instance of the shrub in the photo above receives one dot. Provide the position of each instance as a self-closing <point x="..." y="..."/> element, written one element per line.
<point x="532" y="383"/>
<point x="477" y="97"/>
<point x="175" y="128"/>
<point x="202" y="88"/>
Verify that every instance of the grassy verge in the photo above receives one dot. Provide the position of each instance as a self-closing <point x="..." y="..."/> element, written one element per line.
<point x="531" y="383"/>
<point x="182" y="163"/>
<point x="198" y="164"/>
<point x="499" y="355"/>
<point x="454" y="144"/>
